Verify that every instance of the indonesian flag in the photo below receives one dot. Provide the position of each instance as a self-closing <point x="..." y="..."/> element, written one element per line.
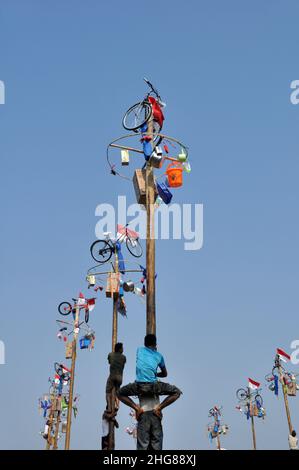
<point x="253" y="384"/>
<point x="283" y="355"/>
<point x="91" y="304"/>
<point x="81" y="299"/>
<point x="56" y="379"/>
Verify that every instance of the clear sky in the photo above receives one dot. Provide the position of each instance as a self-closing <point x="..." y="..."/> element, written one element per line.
<point x="70" y="70"/>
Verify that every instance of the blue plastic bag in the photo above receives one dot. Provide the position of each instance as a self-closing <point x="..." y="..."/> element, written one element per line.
<point x="84" y="343"/>
<point x="164" y="193"/>
<point x="147" y="149"/>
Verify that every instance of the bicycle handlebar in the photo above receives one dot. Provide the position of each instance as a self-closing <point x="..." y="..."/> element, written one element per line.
<point x="152" y="87"/>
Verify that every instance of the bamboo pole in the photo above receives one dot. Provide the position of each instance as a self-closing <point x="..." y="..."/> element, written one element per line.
<point x="131" y="149"/>
<point x="150" y="245"/>
<point x="72" y="379"/>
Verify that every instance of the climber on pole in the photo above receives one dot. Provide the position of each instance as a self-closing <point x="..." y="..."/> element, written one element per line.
<point x="148" y="389"/>
<point x="117" y="362"/>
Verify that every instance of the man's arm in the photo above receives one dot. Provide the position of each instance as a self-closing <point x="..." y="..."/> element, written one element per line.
<point x="163" y="372"/>
<point x="162" y="367"/>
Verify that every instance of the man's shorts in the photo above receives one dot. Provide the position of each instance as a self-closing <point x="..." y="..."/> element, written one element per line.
<point x="136" y="389"/>
<point x="113" y="382"/>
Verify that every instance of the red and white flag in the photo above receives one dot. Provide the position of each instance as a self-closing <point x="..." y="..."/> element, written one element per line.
<point x="253" y="384"/>
<point x="283" y="355"/>
<point x="56" y="379"/>
<point x="81" y="299"/>
<point x="91" y="304"/>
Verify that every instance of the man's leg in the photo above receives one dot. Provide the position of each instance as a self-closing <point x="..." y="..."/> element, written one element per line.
<point x="172" y="392"/>
<point x="124" y="394"/>
<point x="109" y="389"/>
<point x="156" y="433"/>
<point x="143" y="431"/>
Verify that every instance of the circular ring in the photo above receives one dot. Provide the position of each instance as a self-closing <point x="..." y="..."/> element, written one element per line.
<point x="112" y="166"/>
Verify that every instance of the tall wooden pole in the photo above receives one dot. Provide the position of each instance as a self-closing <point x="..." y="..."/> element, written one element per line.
<point x="49" y="438"/>
<point x="286" y="402"/>
<point x="150" y="244"/>
<point x="72" y="379"/>
<point x="55" y="444"/>
<point x="218" y="442"/>
<point x="252" y="422"/>
<point x="253" y="432"/>
<point x="111" y="439"/>
<point x="115" y="314"/>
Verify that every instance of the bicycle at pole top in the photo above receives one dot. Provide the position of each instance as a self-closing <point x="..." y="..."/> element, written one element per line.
<point x="244" y="395"/>
<point x="139" y="114"/>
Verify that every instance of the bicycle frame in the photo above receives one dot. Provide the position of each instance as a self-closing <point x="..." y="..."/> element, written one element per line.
<point x="122" y="236"/>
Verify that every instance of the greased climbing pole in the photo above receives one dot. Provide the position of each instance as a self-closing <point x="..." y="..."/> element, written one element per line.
<point x="150" y="244"/>
<point x="103" y="251"/>
<point x="145" y="119"/>
<point x="287" y="379"/>
<point x="251" y="404"/>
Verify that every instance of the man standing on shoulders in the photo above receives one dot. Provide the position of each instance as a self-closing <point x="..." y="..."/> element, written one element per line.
<point x="148" y="389"/>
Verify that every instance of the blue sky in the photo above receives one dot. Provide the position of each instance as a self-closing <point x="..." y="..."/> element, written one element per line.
<point x="71" y="69"/>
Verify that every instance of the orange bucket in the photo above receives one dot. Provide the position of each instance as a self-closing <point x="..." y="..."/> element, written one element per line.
<point x="174" y="173"/>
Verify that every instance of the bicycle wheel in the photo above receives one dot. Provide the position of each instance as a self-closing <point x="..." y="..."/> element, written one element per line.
<point x="134" y="247"/>
<point x="258" y="399"/>
<point x="64" y="308"/>
<point x="101" y="251"/>
<point x="137" y="115"/>
<point x="241" y="394"/>
<point x="58" y="368"/>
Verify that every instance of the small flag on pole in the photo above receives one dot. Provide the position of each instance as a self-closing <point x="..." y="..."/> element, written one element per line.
<point x="283" y="355"/>
<point x="81" y="299"/>
<point x="91" y="304"/>
<point x="253" y="384"/>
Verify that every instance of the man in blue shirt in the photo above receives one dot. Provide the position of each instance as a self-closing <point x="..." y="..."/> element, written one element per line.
<point x="148" y="389"/>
